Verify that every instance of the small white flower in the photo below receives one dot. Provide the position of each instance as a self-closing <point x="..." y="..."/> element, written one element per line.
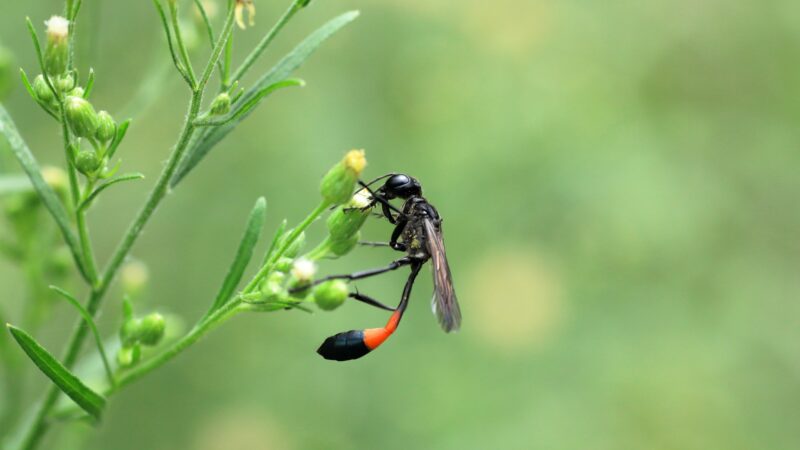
<point x="57" y="28"/>
<point x="303" y="270"/>
<point x="361" y="199"/>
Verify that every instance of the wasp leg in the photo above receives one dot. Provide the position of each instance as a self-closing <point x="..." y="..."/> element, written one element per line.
<point x="398" y="230"/>
<point x="374" y="244"/>
<point x="385" y="205"/>
<point x="360" y="275"/>
<point x="370" y="301"/>
<point x="354" y="344"/>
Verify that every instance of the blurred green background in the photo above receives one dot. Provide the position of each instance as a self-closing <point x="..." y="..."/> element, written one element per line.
<point x="619" y="182"/>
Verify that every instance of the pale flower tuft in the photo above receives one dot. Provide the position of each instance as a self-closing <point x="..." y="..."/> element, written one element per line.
<point x="57" y="28"/>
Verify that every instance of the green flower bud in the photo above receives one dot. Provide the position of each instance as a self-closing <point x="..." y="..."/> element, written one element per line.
<point x="129" y="356"/>
<point x="344" y="246"/>
<point x="151" y="329"/>
<point x="87" y="162"/>
<point x="331" y="294"/>
<point x="284" y="264"/>
<point x="77" y="92"/>
<point x="57" y="49"/>
<point x="42" y="90"/>
<point x="272" y="288"/>
<point x="221" y="105"/>
<point x="338" y="184"/>
<point x="345" y="221"/>
<point x="64" y="83"/>
<point x="129" y="332"/>
<point x="81" y="116"/>
<point x="107" y="128"/>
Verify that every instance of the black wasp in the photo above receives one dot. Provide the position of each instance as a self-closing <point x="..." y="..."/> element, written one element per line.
<point x="417" y="233"/>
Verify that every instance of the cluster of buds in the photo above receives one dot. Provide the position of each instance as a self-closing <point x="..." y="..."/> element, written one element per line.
<point x="283" y="289"/>
<point x="98" y="127"/>
<point x="137" y="332"/>
<point x="292" y="278"/>
<point x="59" y="85"/>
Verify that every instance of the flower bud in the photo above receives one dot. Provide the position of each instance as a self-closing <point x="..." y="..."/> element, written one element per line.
<point x="65" y="83"/>
<point x="344" y="246"/>
<point x="81" y="116"/>
<point x="303" y="270"/>
<point x="57" y="49"/>
<point x="151" y="329"/>
<point x="284" y="264"/>
<point x="338" y="184"/>
<point x="129" y="332"/>
<point x="77" y="92"/>
<point x="345" y="221"/>
<point x="42" y="90"/>
<point x="331" y="294"/>
<point x="106" y="127"/>
<point x="272" y="288"/>
<point x="87" y="162"/>
<point x="129" y="356"/>
<point x="221" y="105"/>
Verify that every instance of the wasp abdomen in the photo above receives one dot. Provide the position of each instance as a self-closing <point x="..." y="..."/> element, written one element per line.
<point x="344" y="346"/>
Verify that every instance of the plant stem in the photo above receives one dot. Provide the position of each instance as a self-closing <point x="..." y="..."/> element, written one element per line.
<point x="86" y="245"/>
<point x="253" y="56"/>
<point x="203" y="327"/>
<point x="38" y="426"/>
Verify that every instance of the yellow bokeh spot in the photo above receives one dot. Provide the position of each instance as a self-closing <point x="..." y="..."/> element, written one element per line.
<point x="246" y="429"/>
<point x="516" y="299"/>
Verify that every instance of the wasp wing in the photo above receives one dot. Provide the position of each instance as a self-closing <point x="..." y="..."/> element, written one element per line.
<point x="444" y="303"/>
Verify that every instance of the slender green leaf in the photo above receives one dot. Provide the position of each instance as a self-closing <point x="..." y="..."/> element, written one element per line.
<point x="247" y="106"/>
<point x="46" y="193"/>
<point x="125" y="177"/>
<point x="89" y="321"/>
<point x="207" y="139"/>
<point x="275" y="239"/>
<point x="118" y="137"/>
<point x="243" y="254"/>
<point x="89" y="400"/>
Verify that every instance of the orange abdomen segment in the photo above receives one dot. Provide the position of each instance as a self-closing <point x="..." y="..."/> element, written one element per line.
<point x="373" y="337"/>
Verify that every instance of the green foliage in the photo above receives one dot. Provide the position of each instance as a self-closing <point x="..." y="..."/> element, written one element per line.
<point x="90" y="401"/>
<point x="209" y="138"/>
<point x="243" y="254"/>
<point x="91" y="141"/>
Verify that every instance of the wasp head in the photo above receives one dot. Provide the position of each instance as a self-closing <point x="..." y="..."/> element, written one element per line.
<point x="401" y="186"/>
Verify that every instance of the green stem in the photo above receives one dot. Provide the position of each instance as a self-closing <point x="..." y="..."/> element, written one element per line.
<point x="86" y="242"/>
<point x="253" y="56"/>
<point x="38" y="426"/>
<point x="203" y="327"/>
